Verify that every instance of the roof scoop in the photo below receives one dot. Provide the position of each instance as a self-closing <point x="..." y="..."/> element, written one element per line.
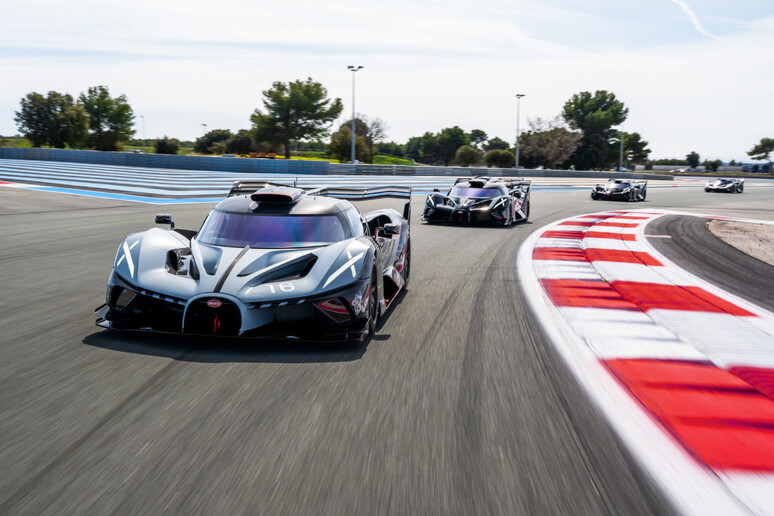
<point x="277" y="195"/>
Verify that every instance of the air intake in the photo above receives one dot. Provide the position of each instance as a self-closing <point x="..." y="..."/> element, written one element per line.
<point x="277" y="195"/>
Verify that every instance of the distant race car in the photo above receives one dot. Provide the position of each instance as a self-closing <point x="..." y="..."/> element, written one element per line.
<point x="620" y="190"/>
<point x="270" y="261"/>
<point x="725" y="185"/>
<point x="480" y="200"/>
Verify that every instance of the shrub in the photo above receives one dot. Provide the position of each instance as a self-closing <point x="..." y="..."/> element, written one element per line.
<point x="467" y="155"/>
<point x="499" y="158"/>
<point x="166" y="145"/>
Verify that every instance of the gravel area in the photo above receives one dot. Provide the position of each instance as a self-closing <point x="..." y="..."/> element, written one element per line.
<point x="757" y="240"/>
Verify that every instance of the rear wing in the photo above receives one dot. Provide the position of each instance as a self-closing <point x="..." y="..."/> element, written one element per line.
<point x="379" y="192"/>
<point x="248" y="187"/>
<point x="522" y="184"/>
<point x="401" y="192"/>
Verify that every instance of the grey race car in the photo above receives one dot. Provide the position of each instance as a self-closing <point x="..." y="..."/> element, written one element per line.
<point x="480" y="200"/>
<point x="620" y="190"/>
<point x="269" y="261"/>
<point x="725" y="185"/>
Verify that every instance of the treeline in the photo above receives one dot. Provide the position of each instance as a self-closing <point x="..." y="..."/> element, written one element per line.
<point x="298" y="115"/>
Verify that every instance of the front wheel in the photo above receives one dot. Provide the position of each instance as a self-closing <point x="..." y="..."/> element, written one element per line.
<point x="594" y="196"/>
<point x="526" y="212"/>
<point x="740" y="189"/>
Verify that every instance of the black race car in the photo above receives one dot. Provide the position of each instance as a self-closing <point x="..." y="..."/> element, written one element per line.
<point x="270" y="261"/>
<point x="620" y="190"/>
<point x="723" y="184"/>
<point x="480" y="200"/>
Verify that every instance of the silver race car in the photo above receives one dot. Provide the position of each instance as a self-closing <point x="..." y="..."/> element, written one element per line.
<point x="480" y="200"/>
<point x="620" y="190"/>
<point x="269" y="261"/>
<point x="725" y="185"/>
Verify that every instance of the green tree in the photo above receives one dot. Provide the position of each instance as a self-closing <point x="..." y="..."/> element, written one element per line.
<point x="477" y="138"/>
<point x="467" y="155"/>
<point x="495" y="144"/>
<point x="241" y="143"/>
<point x="361" y="130"/>
<point x="55" y="120"/>
<point x="423" y="148"/>
<point x="449" y="140"/>
<point x="391" y="149"/>
<point x="340" y="146"/>
<point x="499" y="158"/>
<point x="713" y="165"/>
<point x="548" y="143"/>
<point x="166" y="145"/>
<point x="110" y="119"/>
<point x="693" y="159"/>
<point x="204" y="143"/>
<point x="297" y="110"/>
<point x="594" y="115"/>
<point x="763" y="150"/>
<point x="635" y="150"/>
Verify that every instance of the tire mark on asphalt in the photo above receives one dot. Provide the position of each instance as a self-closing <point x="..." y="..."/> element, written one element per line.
<point x="145" y="391"/>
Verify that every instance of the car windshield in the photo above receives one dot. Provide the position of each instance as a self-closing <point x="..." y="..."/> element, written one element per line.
<point x="461" y="191"/>
<point x="270" y="231"/>
<point x="622" y="184"/>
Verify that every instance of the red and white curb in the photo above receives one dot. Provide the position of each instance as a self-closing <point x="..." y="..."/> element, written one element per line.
<point x="683" y="370"/>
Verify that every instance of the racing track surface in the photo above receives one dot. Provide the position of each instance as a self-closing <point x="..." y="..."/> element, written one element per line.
<point x="458" y="406"/>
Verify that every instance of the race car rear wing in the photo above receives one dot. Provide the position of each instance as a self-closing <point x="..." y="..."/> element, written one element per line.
<point x="401" y="192"/>
<point x="379" y="192"/>
<point x="248" y="187"/>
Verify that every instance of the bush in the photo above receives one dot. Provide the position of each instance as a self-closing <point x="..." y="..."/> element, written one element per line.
<point x="499" y="158"/>
<point x="241" y="143"/>
<point x="467" y="155"/>
<point x="204" y="143"/>
<point x="166" y="145"/>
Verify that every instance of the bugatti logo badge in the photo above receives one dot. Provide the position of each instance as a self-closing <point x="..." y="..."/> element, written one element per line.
<point x="214" y="303"/>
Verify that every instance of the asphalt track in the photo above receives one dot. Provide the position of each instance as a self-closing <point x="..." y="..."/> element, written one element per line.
<point x="458" y="406"/>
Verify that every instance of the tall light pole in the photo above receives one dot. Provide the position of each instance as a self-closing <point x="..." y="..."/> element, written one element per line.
<point x="143" y="133"/>
<point x="518" y="102"/>
<point x="353" y="69"/>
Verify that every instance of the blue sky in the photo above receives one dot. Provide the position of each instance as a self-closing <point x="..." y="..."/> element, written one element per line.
<point x="695" y="74"/>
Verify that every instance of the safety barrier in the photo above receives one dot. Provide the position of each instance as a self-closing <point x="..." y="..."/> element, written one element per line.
<point x="281" y="166"/>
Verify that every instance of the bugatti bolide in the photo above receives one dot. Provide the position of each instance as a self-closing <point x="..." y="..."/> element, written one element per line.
<point x="269" y="261"/>
<point x="722" y="184"/>
<point x="620" y="190"/>
<point x="480" y="200"/>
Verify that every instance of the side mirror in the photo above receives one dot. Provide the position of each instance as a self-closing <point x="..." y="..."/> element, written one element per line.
<point x="436" y="190"/>
<point x="390" y="230"/>
<point x="165" y="218"/>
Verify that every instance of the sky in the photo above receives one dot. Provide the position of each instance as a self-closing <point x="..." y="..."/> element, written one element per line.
<point x="696" y="75"/>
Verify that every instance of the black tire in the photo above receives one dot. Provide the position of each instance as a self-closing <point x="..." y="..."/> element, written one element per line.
<point x="706" y="190"/>
<point x="644" y="193"/>
<point x="407" y="265"/>
<point x="594" y="196"/>
<point x="526" y="212"/>
<point x="740" y="189"/>
<point x="373" y="306"/>
<point x="632" y="195"/>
